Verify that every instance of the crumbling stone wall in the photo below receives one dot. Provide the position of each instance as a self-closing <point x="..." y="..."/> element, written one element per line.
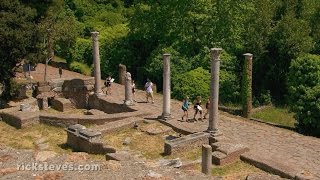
<point x="101" y="103"/>
<point x="77" y="91"/>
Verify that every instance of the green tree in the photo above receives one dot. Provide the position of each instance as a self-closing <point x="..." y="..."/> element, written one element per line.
<point x="19" y="36"/>
<point x="304" y="92"/>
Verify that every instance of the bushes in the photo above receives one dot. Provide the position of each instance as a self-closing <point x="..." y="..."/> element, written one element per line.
<point x="304" y="92"/>
<point x="80" y="68"/>
<point x="81" y="52"/>
<point x="193" y="83"/>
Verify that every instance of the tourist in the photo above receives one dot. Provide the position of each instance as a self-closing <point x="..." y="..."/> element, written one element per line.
<point x="185" y="106"/>
<point x="107" y="83"/>
<point x="207" y="108"/>
<point x="198" y="108"/>
<point x="60" y="71"/>
<point x="149" y="91"/>
<point x="133" y="88"/>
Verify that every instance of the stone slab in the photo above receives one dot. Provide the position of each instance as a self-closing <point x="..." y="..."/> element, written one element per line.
<point x="119" y="156"/>
<point x="185" y="142"/>
<point x="270" y="165"/>
<point x="263" y="176"/>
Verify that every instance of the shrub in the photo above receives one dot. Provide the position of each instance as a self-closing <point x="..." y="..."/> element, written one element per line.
<point x="193" y="83"/>
<point x="81" y="52"/>
<point x="80" y="68"/>
<point x="304" y="92"/>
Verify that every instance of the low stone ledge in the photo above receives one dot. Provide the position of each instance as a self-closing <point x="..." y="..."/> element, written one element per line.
<point x="270" y="165"/>
<point x="66" y="120"/>
<point x="186" y="142"/>
<point x="20" y="119"/>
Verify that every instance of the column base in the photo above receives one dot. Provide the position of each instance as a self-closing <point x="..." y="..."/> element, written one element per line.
<point x="128" y="102"/>
<point x="165" y="117"/>
<point x="99" y="93"/>
<point x="214" y="132"/>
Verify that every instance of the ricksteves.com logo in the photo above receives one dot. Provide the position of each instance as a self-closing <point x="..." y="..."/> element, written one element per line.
<point x="57" y="167"/>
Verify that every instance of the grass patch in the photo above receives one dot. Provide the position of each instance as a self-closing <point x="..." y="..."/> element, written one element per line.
<point x="80" y="68"/>
<point x="237" y="170"/>
<point x="150" y="146"/>
<point x="59" y="59"/>
<point x="276" y="115"/>
<point x="25" y="138"/>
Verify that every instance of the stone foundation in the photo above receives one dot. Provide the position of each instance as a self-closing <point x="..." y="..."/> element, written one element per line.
<point x="20" y="119"/>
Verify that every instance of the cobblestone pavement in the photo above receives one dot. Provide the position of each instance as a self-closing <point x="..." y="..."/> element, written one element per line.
<point x="288" y="147"/>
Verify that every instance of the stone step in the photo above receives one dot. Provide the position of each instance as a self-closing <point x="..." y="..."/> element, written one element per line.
<point x="226" y="153"/>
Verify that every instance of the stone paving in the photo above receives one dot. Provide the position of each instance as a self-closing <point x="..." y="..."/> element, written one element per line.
<point x="288" y="147"/>
<point x="280" y="145"/>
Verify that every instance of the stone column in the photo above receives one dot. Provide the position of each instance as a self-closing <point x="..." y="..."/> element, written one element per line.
<point x="206" y="161"/>
<point x="122" y="74"/>
<point x="166" y="87"/>
<point x="96" y="62"/>
<point x="247" y="86"/>
<point x="214" y="91"/>
<point x="128" y="90"/>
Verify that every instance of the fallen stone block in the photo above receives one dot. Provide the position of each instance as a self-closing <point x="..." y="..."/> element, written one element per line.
<point x="186" y="142"/>
<point x="226" y="153"/>
<point x="86" y="140"/>
<point x="62" y="104"/>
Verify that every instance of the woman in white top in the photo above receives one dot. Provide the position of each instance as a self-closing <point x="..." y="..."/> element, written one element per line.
<point x="149" y="92"/>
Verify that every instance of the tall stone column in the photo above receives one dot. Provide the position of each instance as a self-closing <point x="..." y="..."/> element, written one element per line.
<point x="247" y="86"/>
<point x="214" y="91"/>
<point x="96" y="62"/>
<point x="122" y="74"/>
<point x="128" y="90"/>
<point x="166" y="87"/>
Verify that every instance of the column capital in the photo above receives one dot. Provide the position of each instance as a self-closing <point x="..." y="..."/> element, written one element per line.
<point x="94" y="35"/>
<point x="166" y="55"/>
<point x="248" y="55"/>
<point x="215" y="52"/>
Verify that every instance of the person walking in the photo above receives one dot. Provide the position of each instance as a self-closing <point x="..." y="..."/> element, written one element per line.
<point x="185" y="106"/>
<point x="197" y="107"/>
<point x="207" y="108"/>
<point x="60" y="71"/>
<point x="149" y="91"/>
<point x="133" y="88"/>
<point x="107" y="83"/>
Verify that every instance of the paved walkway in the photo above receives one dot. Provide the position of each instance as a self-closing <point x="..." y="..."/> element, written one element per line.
<point x="286" y="147"/>
<point x="280" y="145"/>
